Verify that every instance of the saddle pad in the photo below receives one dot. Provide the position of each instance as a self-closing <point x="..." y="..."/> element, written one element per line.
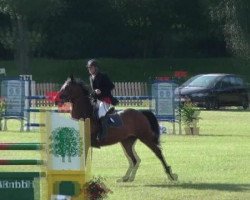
<point x="114" y="120"/>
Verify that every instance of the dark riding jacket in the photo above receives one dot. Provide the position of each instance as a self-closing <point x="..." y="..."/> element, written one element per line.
<point x="102" y="82"/>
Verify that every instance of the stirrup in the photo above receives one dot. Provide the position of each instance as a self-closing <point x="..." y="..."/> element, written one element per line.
<point x="110" y="110"/>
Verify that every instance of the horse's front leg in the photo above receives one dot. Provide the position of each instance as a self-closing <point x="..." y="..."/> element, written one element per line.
<point x="128" y="148"/>
<point x="134" y="170"/>
<point x="126" y="177"/>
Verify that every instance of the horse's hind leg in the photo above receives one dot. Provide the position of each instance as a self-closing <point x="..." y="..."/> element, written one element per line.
<point x="134" y="160"/>
<point x="156" y="149"/>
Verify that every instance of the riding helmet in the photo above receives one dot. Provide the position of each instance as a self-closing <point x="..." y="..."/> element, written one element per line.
<point x="92" y="62"/>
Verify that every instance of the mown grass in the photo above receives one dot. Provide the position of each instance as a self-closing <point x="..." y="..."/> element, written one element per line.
<point x="214" y="165"/>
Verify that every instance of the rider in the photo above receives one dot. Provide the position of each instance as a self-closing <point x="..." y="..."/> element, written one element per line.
<point x="101" y="86"/>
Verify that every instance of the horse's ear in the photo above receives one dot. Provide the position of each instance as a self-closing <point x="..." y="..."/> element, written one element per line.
<point x="71" y="77"/>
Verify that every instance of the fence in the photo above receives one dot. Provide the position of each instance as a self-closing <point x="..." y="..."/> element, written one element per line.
<point x="122" y="89"/>
<point x="42" y="89"/>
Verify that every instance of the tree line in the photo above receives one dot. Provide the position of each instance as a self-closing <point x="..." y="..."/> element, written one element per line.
<point x="65" y="29"/>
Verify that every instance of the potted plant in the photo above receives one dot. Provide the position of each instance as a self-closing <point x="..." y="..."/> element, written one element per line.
<point x="2" y="110"/>
<point x="189" y="115"/>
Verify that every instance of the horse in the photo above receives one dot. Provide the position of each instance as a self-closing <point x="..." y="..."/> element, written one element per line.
<point x="136" y="124"/>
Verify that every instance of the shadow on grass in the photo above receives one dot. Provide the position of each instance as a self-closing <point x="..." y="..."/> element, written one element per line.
<point x="207" y="135"/>
<point x="222" y="135"/>
<point x="229" y="110"/>
<point x="206" y="186"/>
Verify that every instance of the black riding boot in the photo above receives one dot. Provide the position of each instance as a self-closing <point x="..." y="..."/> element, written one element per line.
<point x="103" y="128"/>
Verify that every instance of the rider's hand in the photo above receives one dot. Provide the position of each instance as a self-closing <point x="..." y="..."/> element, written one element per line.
<point x="97" y="91"/>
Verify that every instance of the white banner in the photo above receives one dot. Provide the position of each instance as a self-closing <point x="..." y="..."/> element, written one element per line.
<point x="66" y="143"/>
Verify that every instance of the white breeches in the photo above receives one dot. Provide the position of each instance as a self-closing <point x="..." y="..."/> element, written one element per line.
<point x="102" y="108"/>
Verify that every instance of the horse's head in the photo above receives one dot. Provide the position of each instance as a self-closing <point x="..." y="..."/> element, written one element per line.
<point x="72" y="90"/>
<point x="77" y="93"/>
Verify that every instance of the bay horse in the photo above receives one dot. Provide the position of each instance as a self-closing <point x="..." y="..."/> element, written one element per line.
<point x="141" y="125"/>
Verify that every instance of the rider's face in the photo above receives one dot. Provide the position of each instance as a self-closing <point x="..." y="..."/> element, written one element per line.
<point x="92" y="69"/>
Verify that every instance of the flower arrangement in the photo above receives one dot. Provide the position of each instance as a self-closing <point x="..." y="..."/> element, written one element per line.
<point x="189" y="113"/>
<point x="96" y="189"/>
<point x="2" y="105"/>
<point x="2" y="110"/>
<point x="190" y="117"/>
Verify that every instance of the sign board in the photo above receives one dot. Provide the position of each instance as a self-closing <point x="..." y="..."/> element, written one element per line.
<point x="163" y="104"/>
<point x="14" y="93"/>
<point x="19" y="185"/>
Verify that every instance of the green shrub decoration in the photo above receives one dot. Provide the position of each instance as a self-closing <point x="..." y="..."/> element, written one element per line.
<point x="189" y="113"/>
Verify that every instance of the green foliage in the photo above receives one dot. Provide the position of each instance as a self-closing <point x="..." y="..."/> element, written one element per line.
<point x="189" y="114"/>
<point x="66" y="142"/>
<point x="234" y="18"/>
<point x="23" y="35"/>
<point x="119" y="28"/>
<point x="2" y="110"/>
<point x="47" y="70"/>
<point x="28" y="8"/>
<point x="2" y="107"/>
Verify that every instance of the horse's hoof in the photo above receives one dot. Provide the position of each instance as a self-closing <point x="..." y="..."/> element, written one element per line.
<point x="123" y="179"/>
<point x="131" y="179"/>
<point x="173" y="177"/>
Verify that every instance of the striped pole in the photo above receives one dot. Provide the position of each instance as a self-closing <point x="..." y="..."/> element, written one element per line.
<point x="21" y="146"/>
<point x="34" y="125"/>
<point x="46" y="110"/>
<point x="21" y="162"/>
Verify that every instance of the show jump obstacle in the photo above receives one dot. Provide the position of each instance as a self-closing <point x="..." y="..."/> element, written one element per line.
<point x="21" y="100"/>
<point x="66" y="158"/>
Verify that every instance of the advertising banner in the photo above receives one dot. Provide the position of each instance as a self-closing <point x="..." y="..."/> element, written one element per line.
<point x="163" y="103"/>
<point x="13" y="92"/>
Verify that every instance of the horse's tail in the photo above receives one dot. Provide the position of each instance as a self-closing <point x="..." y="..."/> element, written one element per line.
<point x="153" y="123"/>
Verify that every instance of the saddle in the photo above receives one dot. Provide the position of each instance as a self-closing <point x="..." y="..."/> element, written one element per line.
<point x="113" y="119"/>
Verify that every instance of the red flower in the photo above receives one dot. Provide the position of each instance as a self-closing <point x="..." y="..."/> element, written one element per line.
<point x="96" y="189"/>
<point x="180" y="74"/>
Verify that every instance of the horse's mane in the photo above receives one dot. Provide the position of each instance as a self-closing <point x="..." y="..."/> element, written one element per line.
<point x="85" y="88"/>
<point x="78" y="93"/>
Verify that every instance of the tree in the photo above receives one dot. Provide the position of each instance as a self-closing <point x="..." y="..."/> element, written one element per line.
<point x="66" y="141"/>
<point x="89" y="28"/>
<point x="24" y="33"/>
<point x="147" y="23"/>
<point x="158" y="28"/>
<point x="234" y="17"/>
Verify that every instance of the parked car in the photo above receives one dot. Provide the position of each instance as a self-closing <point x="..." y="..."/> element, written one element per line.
<point x="213" y="91"/>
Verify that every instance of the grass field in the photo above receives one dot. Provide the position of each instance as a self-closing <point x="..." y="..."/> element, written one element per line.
<point x="214" y="165"/>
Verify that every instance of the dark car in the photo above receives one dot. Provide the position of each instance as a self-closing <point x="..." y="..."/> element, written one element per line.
<point x="213" y="91"/>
